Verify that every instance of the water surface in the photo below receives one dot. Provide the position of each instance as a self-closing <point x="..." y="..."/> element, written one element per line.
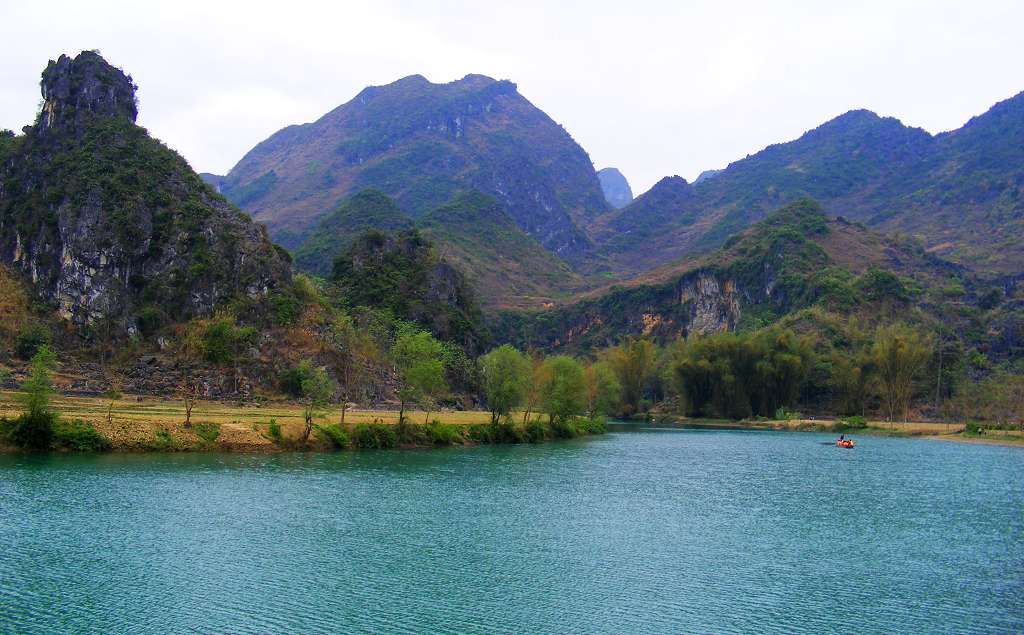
<point x="649" y="531"/>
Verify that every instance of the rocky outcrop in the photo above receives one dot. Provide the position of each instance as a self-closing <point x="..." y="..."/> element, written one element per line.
<point x="111" y="226"/>
<point x="713" y="305"/>
<point x="615" y="187"/>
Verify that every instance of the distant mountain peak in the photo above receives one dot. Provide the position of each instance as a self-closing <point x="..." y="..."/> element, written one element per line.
<point x="615" y="187"/>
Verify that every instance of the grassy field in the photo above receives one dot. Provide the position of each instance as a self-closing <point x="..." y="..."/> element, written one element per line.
<point x="135" y="421"/>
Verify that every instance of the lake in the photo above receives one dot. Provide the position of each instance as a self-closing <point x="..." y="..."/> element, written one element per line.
<point x="647" y="531"/>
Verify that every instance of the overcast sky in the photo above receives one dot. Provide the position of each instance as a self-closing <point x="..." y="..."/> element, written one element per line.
<point x="653" y="88"/>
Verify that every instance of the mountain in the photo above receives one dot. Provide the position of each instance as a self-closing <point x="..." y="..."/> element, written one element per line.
<point x="108" y="223"/>
<point x="615" y="187"/>
<point x="365" y="210"/>
<point x="705" y="175"/>
<point x="422" y="143"/>
<point x="961" y="192"/>
<point x="506" y="267"/>
<point x="794" y="261"/>
<point x="404" y="274"/>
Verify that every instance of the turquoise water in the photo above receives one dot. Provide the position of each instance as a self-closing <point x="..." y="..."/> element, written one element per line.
<point x="643" y="532"/>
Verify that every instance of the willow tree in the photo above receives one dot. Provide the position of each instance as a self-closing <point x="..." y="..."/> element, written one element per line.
<point x="506" y="373"/>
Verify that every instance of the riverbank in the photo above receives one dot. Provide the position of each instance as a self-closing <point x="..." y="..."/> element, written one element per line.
<point x="146" y="424"/>
<point x="919" y="429"/>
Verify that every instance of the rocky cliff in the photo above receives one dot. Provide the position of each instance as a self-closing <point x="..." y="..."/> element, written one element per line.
<point x="109" y="224"/>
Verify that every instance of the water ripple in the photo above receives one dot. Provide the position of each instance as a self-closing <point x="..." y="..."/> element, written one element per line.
<point x="667" y="531"/>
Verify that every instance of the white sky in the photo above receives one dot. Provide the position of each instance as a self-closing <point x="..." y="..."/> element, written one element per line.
<point x="653" y="88"/>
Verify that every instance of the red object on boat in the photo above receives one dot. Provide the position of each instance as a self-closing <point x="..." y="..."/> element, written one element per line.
<point x="847" y="443"/>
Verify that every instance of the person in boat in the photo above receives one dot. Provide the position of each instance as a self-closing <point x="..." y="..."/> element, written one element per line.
<point x="842" y="437"/>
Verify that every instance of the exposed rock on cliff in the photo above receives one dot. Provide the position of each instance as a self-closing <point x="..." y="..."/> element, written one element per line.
<point x="110" y="224"/>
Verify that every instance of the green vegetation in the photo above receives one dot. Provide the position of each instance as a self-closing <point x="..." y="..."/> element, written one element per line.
<point x="357" y="214"/>
<point x="317" y="388"/>
<point x="207" y="432"/>
<point x="78" y="436"/>
<point x="506" y="373"/>
<point x="30" y="339"/>
<point x="417" y="358"/>
<point x="404" y="275"/>
<point x="34" y="429"/>
<point x="563" y="390"/>
<point x="742" y="375"/>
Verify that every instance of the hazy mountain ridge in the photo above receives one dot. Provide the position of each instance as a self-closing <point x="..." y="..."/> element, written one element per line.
<point x="958" y="191"/>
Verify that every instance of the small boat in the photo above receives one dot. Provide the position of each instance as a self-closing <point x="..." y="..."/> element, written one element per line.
<point x="845" y="443"/>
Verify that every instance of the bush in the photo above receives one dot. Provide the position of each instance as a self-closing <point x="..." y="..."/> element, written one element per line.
<point x="535" y="431"/>
<point x="593" y="425"/>
<point x="334" y="435"/>
<point x="854" y="422"/>
<point x="207" y="432"/>
<point x="781" y="414"/>
<point x="375" y="436"/>
<point x="443" y="433"/>
<point x="163" y="441"/>
<point x="482" y="433"/>
<point x="285" y="309"/>
<point x="565" y="429"/>
<point x="973" y="428"/>
<point x="79" y="436"/>
<point x="150" y="319"/>
<point x="33" y="430"/>
<point x="30" y="339"/>
<point x="222" y="339"/>
<point x="274" y="432"/>
<point x="293" y="379"/>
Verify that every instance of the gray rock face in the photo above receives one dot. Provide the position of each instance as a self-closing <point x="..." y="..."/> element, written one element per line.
<point x="108" y="224"/>
<point x="76" y="90"/>
<point x="712" y="304"/>
<point x="615" y="187"/>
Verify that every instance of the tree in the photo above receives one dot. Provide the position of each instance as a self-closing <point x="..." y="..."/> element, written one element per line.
<point x="350" y="347"/>
<point x="851" y="381"/>
<point x="34" y="428"/>
<point x="417" y="358"/>
<point x="899" y="354"/>
<point x="532" y="396"/>
<point x="633" y="362"/>
<point x="113" y="394"/>
<point x="317" y="390"/>
<point x="563" y="392"/>
<point x="603" y="389"/>
<point x="506" y="373"/>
